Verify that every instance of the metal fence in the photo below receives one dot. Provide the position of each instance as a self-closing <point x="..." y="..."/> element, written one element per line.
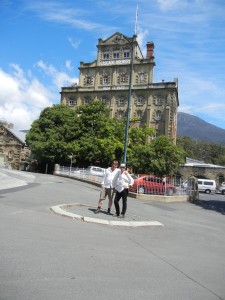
<point x="175" y="189"/>
<point x="5" y="165"/>
<point x="80" y="173"/>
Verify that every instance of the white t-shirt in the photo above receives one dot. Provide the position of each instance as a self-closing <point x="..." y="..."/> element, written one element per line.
<point x="108" y="177"/>
<point x="122" y="181"/>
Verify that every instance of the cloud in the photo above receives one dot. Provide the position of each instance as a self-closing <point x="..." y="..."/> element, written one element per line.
<point x="166" y="5"/>
<point x="75" y="44"/>
<point x="59" y="13"/>
<point x="22" y="97"/>
<point x="59" y="79"/>
<point x="141" y="37"/>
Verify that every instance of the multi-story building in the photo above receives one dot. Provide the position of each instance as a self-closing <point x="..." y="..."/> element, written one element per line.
<point x="120" y="65"/>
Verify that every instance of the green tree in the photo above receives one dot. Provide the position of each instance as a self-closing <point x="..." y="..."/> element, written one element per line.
<point x="100" y="138"/>
<point x="202" y="150"/>
<point x="87" y="133"/>
<point x="158" y="157"/>
<point x="51" y="136"/>
<point x="166" y="156"/>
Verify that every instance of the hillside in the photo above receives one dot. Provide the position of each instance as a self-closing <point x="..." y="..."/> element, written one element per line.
<point x="198" y="129"/>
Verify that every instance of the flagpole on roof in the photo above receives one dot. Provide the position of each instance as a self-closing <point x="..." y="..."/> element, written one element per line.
<point x="136" y="20"/>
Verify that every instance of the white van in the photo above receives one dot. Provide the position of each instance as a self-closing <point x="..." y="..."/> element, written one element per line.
<point x="206" y="186"/>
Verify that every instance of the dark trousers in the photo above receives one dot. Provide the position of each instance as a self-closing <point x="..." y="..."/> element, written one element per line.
<point x="118" y="196"/>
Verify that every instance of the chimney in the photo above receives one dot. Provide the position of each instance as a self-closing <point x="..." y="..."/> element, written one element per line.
<point x="150" y="50"/>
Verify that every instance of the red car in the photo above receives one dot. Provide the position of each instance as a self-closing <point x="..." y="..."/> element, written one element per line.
<point x="149" y="184"/>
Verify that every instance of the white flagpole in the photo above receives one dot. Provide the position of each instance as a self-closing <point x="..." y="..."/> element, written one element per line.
<point x="135" y="27"/>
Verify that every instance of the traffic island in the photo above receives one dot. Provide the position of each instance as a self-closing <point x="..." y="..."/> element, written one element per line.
<point x="85" y="213"/>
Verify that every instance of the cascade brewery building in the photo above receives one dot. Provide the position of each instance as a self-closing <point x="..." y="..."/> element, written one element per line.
<point x="120" y="65"/>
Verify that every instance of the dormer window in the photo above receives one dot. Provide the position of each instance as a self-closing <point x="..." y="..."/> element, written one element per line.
<point x="106" y="55"/>
<point x="126" y="53"/>
<point x="116" y="54"/>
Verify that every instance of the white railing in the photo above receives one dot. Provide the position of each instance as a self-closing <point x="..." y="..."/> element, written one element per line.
<point x="167" y="190"/>
<point x="5" y="165"/>
<point x="80" y="173"/>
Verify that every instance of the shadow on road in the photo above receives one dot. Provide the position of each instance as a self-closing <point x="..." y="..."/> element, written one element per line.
<point x="216" y="205"/>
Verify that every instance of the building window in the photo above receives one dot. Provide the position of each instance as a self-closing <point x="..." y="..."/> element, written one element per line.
<point x="105" y="99"/>
<point x="139" y="114"/>
<point x="106" y="55"/>
<point x="158" y="101"/>
<point x="123" y="78"/>
<point x="116" y="54"/>
<point x="87" y="101"/>
<point x="142" y="78"/>
<point x="105" y="79"/>
<point x="126" y="53"/>
<point x="87" y="80"/>
<point x="140" y="100"/>
<point x="158" y="115"/>
<point x="71" y="102"/>
<point x="10" y="154"/>
<point x="121" y="101"/>
<point x="120" y="115"/>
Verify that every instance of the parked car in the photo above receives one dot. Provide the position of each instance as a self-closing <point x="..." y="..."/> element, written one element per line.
<point x="221" y="189"/>
<point x="204" y="185"/>
<point x="95" y="171"/>
<point x="150" y="184"/>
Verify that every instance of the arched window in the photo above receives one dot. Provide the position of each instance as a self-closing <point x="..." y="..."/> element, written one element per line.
<point x="158" y="115"/>
<point x="140" y="100"/>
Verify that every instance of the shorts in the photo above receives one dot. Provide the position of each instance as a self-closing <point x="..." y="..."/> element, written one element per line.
<point x="106" y="192"/>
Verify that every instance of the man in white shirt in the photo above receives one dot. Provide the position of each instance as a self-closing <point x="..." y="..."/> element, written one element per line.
<point x="121" y="183"/>
<point x="107" y="188"/>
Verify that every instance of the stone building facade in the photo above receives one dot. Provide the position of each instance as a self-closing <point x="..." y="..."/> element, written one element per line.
<point x="120" y="67"/>
<point x="13" y="150"/>
<point x="200" y="169"/>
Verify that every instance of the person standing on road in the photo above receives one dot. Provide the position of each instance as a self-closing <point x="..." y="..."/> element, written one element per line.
<point x="107" y="189"/>
<point x="121" y="183"/>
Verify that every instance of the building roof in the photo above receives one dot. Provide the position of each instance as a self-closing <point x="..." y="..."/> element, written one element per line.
<point x="200" y="164"/>
<point x="21" y="136"/>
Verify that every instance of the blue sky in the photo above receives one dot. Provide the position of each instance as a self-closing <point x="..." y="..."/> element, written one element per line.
<point x="43" y="42"/>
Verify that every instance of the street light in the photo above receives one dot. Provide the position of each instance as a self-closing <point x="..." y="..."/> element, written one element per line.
<point x="129" y="96"/>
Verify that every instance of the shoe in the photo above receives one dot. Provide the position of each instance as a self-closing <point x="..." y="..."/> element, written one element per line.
<point x="115" y="215"/>
<point x="97" y="211"/>
<point x="121" y="216"/>
<point x="108" y="213"/>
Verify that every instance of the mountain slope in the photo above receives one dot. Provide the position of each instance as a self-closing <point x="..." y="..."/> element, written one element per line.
<point x="198" y="129"/>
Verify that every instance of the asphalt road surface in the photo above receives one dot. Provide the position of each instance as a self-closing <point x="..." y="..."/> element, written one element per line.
<point x="47" y="256"/>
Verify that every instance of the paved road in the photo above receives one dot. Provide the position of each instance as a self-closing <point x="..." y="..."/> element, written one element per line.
<point x="46" y="256"/>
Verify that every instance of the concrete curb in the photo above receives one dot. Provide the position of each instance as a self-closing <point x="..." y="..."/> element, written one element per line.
<point x="59" y="209"/>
